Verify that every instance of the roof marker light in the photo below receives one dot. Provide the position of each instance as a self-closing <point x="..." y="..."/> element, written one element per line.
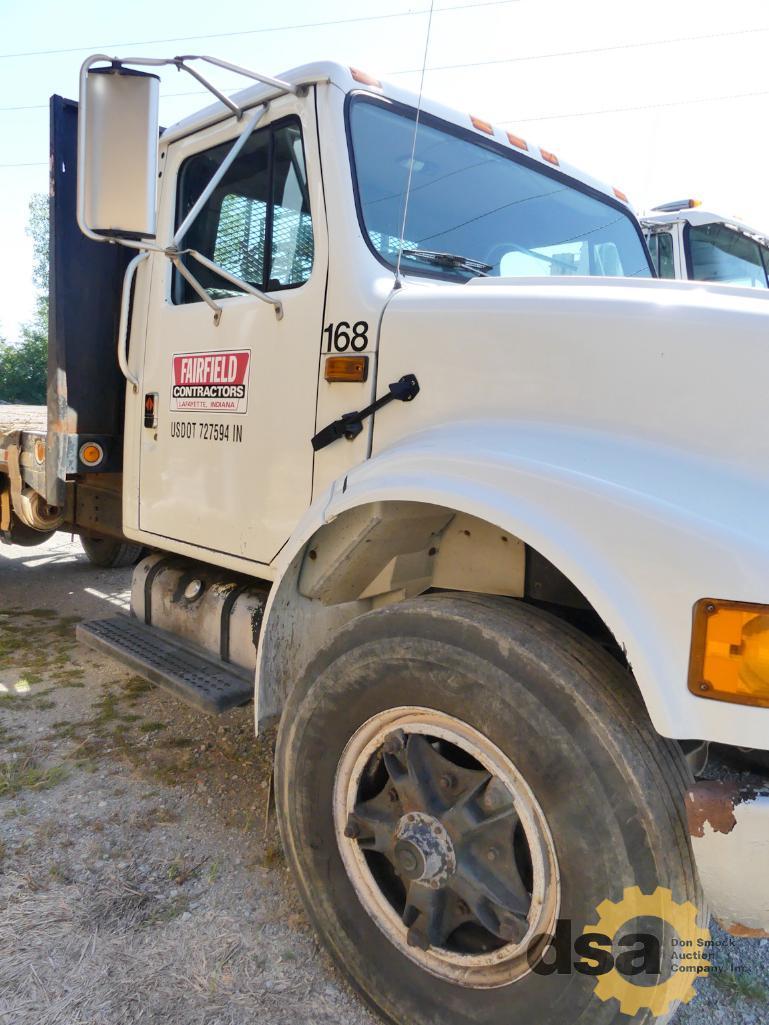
<point x="482" y="126"/>
<point x="551" y="158"/>
<point x="517" y="141"/>
<point x="679" y="204"/>
<point x="621" y="195"/>
<point x="364" y="78"/>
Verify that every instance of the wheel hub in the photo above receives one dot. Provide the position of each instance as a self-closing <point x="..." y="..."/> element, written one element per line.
<point x="423" y="851"/>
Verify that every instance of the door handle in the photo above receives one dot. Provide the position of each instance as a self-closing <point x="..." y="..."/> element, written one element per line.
<point x="351" y="424"/>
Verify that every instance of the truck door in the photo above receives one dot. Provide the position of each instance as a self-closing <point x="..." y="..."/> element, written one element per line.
<point x="227" y="466"/>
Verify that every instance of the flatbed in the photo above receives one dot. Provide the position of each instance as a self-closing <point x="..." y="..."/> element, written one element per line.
<point x="22" y="418"/>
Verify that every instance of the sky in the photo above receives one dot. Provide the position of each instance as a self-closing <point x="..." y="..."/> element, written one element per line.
<point x="663" y="98"/>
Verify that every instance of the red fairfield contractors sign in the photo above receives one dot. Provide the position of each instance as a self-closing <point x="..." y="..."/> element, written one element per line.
<point x="215" y="382"/>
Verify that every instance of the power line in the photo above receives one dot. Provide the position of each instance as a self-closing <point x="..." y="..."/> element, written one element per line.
<point x="574" y="114"/>
<point x="194" y="92"/>
<point x="485" y="63"/>
<point x="591" y="50"/>
<point x="628" y="110"/>
<point x="259" y="31"/>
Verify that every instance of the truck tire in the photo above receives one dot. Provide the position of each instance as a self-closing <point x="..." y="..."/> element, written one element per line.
<point x="111" y="554"/>
<point x="24" y="536"/>
<point x="458" y="776"/>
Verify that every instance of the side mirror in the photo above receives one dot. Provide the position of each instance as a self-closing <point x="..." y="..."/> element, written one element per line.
<point x="117" y="152"/>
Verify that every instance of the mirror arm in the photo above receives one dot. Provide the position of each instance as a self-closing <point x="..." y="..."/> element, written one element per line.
<point x="193" y="282"/>
<point x="238" y="282"/>
<point x="236" y="110"/>
<point x="277" y="83"/>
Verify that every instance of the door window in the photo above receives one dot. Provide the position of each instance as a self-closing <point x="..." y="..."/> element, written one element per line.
<point x="661" y="247"/>
<point x="256" y="223"/>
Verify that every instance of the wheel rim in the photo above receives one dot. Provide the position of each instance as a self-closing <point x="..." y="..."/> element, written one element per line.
<point x="446" y="846"/>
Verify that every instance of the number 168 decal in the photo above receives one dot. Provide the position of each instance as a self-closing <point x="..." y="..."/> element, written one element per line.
<point x="343" y="336"/>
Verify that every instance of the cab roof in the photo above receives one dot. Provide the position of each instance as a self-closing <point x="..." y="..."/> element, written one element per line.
<point x="350" y="79"/>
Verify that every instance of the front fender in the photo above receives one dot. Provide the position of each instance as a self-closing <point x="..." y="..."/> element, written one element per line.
<point x="642" y="530"/>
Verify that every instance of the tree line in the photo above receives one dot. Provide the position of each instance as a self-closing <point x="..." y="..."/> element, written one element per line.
<point x="23" y="364"/>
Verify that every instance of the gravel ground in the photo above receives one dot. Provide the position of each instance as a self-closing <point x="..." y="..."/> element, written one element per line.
<point x="141" y="878"/>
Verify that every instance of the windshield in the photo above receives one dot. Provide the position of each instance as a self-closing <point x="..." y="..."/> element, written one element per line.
<point x="480" y="203"/>
<point x="720" y="254"/>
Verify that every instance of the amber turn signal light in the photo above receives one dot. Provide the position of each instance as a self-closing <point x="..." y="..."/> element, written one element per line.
<point x="346" y="368"/>
<point x="730" y="652"/>
<point x="91" y="454"/>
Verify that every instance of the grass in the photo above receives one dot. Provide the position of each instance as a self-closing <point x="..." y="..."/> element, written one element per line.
<point x="136" y="686"/>
<point x="171" y="910"/>
<point x="743" y="985"/>
<point x="273" y="856"/>
<point x="27" y="774"/>
<point x="25" y="703"/>
<point x="107" y="709"/>
<point x="151" y="727"/>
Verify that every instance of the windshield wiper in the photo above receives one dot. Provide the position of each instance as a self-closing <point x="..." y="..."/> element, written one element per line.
<point x="449" y="260"/>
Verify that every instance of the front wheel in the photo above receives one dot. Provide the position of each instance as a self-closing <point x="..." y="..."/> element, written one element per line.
<point x="461" y="783"/>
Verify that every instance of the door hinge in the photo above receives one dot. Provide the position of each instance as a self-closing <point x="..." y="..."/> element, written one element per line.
<point x="351" y="424"/>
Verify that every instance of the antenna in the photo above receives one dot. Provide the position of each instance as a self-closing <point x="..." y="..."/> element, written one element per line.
<point x="413" y="149"/>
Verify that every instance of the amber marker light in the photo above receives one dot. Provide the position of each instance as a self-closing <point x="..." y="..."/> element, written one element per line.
<point x="517" y="141"/>
<point x="481" y="125"/>
<point x="346" y="368"/>
<point x="620" y="195"/>
<point x="730" y="652"/>
<point x="551" y="158"/>
<point x="364" y="78"/>
<point x="91" y="454"/>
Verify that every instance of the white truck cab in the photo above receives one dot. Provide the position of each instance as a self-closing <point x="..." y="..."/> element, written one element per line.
<point x="693" y="244"/>
<point x="432" y="467"/>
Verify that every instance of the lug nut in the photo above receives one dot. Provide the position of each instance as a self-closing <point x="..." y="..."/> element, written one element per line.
<point x="492" y="853"/>
<point x="448" y="782"/>
<point x="394" y="743"/>
<point x="352" y="829"/>
<point x="507" y="931"/>
<point x="416" y="938"/>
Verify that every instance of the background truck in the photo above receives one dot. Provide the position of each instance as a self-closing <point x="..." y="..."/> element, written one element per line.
<point x="432" y="468"/>
<point x="693" y="244"/>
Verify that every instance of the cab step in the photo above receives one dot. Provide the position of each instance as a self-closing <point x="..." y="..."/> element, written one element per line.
<point x="198" y="679"/>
